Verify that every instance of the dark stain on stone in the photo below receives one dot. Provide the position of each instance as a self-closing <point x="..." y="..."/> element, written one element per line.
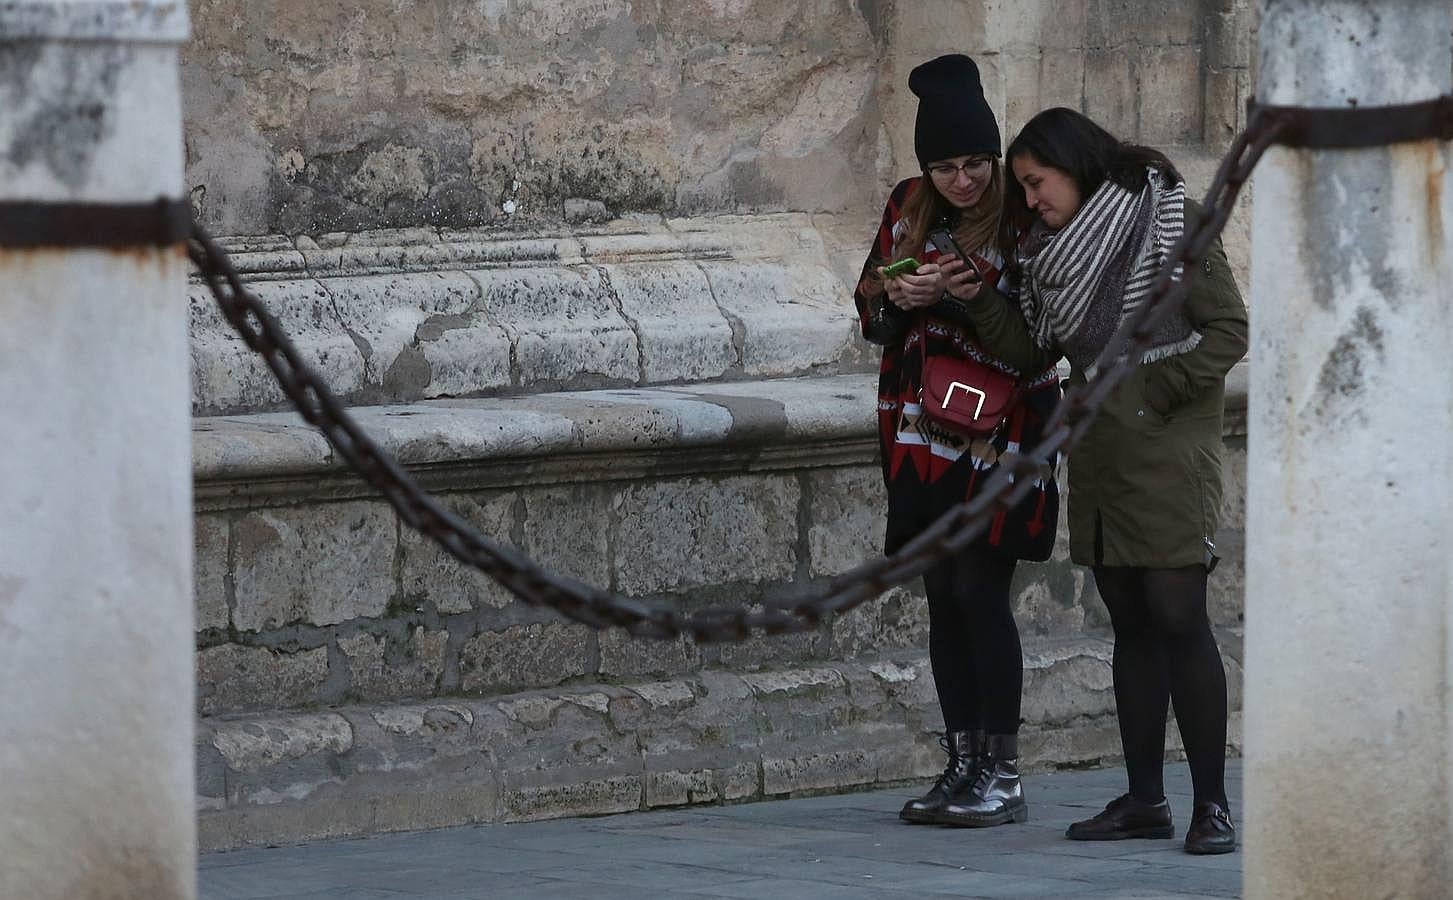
<point x="749" y="186"/>
<point x="1325" y="218"/>
<point x="69" y="103"/>
<point x="875" y="14"/>
<point x="409" y="374"/>
<point x="1342" y="385"/>
<point x="753" y="418"/>
<point x="433" y="328"/>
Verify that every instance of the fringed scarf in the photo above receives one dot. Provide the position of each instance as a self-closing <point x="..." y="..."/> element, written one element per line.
<point x="1081" y="282"/>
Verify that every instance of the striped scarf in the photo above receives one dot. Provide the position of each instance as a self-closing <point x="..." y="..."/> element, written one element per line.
<point x="1081" y="282"/>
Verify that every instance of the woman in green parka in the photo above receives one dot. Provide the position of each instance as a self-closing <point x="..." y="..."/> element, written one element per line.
<point x="1101" y="218"/>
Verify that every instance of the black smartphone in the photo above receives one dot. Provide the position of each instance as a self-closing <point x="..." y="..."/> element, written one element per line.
<point x="943" y="241"/>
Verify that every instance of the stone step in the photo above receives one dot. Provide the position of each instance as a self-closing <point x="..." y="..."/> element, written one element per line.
<point x="711" y="737"/>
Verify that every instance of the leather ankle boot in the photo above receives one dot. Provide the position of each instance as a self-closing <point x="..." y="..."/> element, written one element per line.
<point x="995" y="797"/>
<point x="963" y="748"/>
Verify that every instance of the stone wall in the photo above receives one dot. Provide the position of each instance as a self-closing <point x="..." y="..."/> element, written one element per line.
<point x="339" y="116"/>
<point x="353" y="678"/>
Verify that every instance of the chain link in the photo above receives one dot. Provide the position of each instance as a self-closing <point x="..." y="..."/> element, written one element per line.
<point x="952" y="532"/>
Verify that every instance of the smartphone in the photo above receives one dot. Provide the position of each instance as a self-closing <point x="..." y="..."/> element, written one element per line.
<point x="943" y="241"/>
<point x="901" y="267"/>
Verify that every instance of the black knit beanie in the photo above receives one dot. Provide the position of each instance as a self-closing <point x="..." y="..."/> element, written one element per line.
<point x="954" y="119"/>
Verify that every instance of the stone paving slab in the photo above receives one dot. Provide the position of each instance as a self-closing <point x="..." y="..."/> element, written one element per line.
<point x="840" y="846"/>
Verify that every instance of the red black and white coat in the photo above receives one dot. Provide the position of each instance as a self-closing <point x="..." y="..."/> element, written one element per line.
<point x="928" y="468"/>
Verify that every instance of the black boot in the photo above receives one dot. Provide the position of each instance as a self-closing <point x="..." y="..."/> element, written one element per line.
<point x="995" y="797"/>
<point x="963" y="748"/>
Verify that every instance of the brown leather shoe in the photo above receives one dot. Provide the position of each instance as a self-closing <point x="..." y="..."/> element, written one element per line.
<point x="1125" y="817"/>
<point x="1211" y="830"/>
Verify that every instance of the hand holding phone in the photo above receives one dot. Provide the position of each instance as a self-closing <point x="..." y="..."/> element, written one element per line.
<point x="943" y="241"/>
<point x="901" y="267"/>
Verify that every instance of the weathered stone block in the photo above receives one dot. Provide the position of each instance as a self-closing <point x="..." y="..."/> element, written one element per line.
<point x="384" y="667"/>
<point x="924" y="29"/>
<point x="1146" y="23"/>
<point x="798" y="703"/>
<point x="622" y="655"/>
<point x="1229" y="40"/>
<point x="1170" y="95"/>
<point x="1066" y="682"/>
<point x="837" y="768"/>
<point x="525" y="656"/>
<point x="406" y="324"/>
<point x="321" y="818"/>
<point x="716" y="716"/>
<point x="895" y="620"/>
<point x="321" y="565"/>
<point x="1062" y="79"/>
<point x="1095" y="742"/>
<point x="232" y="678"/>
<point x="567" y="530"/>
<point x="1021" y="72"/>
<point x="209" y="571"/>
<point x="683" y="336"/>
<point x="1051" y="25"/>
<point x="562" y="324"/>
<point x="564" y="792"/>
<point x="794" y="317"/>
<point x="1047" y="599"/>
<point x="846" y="513"/>
<point x="211" y="775"/>
<point x="1112" y="93"/>
<point x="251" y="745"/>
<point x="690" y="532"/>
<point x="430" y="575"/>
<point x="228" y="377"/>
<point x="769" y="652"/>
<point x="1224" y="105"/>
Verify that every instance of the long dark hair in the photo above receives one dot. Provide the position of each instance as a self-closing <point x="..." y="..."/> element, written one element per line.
<point x="1063" y="139"/>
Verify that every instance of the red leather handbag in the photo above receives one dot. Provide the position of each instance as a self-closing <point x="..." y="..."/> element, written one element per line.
<point x="964" y="394"/>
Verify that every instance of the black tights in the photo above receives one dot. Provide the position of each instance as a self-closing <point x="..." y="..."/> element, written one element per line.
<point x="973" y="643"/>
<point x="1164" y="652"/>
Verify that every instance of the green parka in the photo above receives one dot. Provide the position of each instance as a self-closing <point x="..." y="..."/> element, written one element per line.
<point x="1145" y="481"/>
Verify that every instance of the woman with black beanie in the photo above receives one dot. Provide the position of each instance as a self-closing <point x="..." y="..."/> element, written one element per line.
<point x="920" y="318"/>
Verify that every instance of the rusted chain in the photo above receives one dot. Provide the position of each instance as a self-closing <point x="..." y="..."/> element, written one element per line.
<point x="592" y="606"/>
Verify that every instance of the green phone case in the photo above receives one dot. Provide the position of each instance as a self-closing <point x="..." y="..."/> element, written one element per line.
<point x="901" y="267"/>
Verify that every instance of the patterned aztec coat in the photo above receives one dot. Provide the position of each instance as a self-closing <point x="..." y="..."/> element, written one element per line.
<point x="1145" y="481"/>
<point x="927" y="468"/>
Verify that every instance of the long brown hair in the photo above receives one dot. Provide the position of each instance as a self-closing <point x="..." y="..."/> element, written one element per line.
<point x="926" y="209"/>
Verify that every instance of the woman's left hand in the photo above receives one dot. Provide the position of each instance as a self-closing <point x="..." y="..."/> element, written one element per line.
<point x="961" y="279"/>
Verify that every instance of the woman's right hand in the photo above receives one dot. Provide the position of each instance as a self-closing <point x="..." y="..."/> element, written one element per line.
<point x="923" y="288"/>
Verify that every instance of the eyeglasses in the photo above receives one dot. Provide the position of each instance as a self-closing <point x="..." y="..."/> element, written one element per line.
<point x="950" y="173"/>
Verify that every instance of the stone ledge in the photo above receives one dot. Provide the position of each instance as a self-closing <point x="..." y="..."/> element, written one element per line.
<point x="416" y="314"/>
<point x="713" y="737"/>
<point x="570" y="436"/>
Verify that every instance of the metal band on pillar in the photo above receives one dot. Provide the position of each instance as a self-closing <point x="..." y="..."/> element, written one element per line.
<point x="31" y="224"/>
<point x="1353" y="127"/>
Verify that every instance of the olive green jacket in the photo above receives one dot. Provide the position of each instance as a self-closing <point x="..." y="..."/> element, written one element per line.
<point x="1145" y="480"/>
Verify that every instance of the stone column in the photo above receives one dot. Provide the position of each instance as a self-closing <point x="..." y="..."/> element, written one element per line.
<point x="1350" y="516"/>
<point x="96" y="684"/>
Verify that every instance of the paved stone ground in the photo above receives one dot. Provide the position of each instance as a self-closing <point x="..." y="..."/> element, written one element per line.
<point x="842" y="847"/>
